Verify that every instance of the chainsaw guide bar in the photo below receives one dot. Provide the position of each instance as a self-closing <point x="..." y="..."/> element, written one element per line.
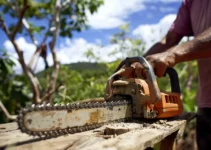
<point x="55" y="120"/>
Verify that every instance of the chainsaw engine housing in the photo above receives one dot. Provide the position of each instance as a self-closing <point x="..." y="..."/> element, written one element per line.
<point x="127" y="83"/>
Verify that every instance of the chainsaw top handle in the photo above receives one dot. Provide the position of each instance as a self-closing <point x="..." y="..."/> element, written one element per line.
<point x="155" y="95"/>
<point x="151" y="78"/>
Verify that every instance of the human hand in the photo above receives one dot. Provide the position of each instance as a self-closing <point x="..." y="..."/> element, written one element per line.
<point x="161" y="61"/>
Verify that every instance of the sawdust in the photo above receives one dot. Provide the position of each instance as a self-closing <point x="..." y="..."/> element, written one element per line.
<point x="114" y="129"/>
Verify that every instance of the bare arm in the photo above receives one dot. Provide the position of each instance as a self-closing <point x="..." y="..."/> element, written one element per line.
<point x="198" y="48"/>
<point x="171" y="39"/>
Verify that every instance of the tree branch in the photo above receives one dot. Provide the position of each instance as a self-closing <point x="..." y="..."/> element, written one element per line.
<point x="35" y="56"/>
<point x="33" y="81"/>
<point x="5" y="28"/>
<point x="19" y="23"/>
<point x="24" y="21"/>
<point x="37" y="52"/>
<point x="27" y="27"/>
<point x="52" y="45"/>
<point x="64" y="3"/>
<point x="10" y="117"/>
<point x="50" y="93"/>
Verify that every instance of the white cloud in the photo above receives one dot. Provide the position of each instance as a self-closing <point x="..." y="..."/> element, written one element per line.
<point x="113" y="13"/>
<point x="170" y="1"/>
<point x="67" y="52"/>
<point x="74" y="51"/>
<point x="28" y="50"/>
<point x="167" y="9"/>
<point x="152" y="33"/>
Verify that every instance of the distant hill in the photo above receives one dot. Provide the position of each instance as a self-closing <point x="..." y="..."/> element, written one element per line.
<point x="86" y="66"/>
<point x="79" y="66"/>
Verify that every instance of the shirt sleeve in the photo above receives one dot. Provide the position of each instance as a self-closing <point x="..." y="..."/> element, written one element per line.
<point x="182" y="24"/>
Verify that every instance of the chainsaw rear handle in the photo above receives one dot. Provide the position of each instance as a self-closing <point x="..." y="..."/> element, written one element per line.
<point x="151" y="78"/>
<point x="175" y="87"/>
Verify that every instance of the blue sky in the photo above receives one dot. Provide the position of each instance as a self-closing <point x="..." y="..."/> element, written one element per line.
<point x="142" y="15"/>
<point x="151" y="14"/>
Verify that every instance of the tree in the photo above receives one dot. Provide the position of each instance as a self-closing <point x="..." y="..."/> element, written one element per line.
<point x="61" y="17"/>
<point x="13" y="92"/>
<point x="127" y="46"/>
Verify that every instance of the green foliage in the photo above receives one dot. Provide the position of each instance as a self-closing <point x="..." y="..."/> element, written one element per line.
<point x="127" y="46"/>
<point x="80" y="80"/>
<point x="13" y="92"/>
<point x="73" y="14"/>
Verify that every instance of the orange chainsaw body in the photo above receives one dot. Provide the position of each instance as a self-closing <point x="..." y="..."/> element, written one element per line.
<point x="139" y="89"/>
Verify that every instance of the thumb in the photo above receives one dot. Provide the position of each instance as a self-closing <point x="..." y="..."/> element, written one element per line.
<point x="160" y="69"/>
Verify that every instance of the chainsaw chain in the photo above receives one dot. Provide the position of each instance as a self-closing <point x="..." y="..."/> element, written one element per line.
<point x="69" y="107"/>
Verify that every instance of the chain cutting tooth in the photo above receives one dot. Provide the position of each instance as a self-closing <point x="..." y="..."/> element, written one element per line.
<point x="70" y="130"/>
<point x="78" y="106"/>
<point x="94" y="105"/>
<point x="60" y="107"/>
<point x="73" y="106"/>
<point x="74" y="130"/>
<point x="68" y="106"/>
<point x="63" y="106"/>
<point x="65" y="131"/>
<point x="85" y="105"/>
<point x="48" y="106"/>
<point x="118" y="103"/>
<point x="81" y="105"/>
<point x="57" y="106"/>
<point x="43" y="107"/>
<point x="89" y="105"/>
<point x="36" y="107"/>
<point x="104" y="104"/>
<point x="78" y="129"/>
<point x="24" y="111"/>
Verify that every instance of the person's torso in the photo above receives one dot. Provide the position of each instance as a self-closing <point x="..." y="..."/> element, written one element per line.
<point x="200" y="13"/>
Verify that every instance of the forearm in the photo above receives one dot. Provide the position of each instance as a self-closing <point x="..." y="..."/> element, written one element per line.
<point x="157" y="48"/>
<point x="198" y="48"/>
<point x="171" y="39"/>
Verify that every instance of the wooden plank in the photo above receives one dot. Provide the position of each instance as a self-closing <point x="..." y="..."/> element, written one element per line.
<point x="63" y="142"/>
<point x="13" y="137"/>
<point x="139" y="139"/>
<point x="169" y="142"/>
<point x="141" y="135"/>
<point x="8" y="127"/>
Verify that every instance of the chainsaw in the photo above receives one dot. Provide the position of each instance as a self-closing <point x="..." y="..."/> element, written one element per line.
<point x="128" y="95"/>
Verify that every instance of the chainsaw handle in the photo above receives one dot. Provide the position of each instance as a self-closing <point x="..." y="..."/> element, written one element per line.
<point x="175" y="87"/>
<point x="155" y="95"/>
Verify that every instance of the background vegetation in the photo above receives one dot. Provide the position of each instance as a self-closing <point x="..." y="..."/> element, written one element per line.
<point x="85" y="80"/>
